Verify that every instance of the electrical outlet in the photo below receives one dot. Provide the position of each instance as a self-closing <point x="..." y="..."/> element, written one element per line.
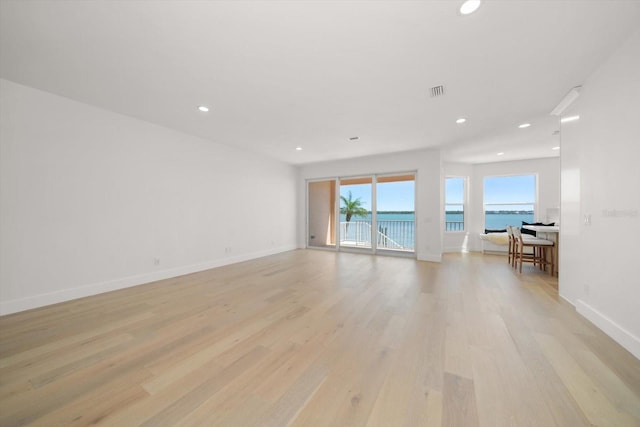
<point x="156" y="261"/>
<point x="587" y="289"/>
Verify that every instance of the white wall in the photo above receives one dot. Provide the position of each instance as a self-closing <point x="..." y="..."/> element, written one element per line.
<point x="601" y="180"/>
<point x="547" y="170"/>
<point x="89" y="199"/>
<point x="429" y="216"/>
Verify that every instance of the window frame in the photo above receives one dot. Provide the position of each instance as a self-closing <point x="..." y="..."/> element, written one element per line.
<point x="533" y="203"/>
<point x="464" y="203"/>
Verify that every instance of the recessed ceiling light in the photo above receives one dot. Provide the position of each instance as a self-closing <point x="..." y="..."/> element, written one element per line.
<point x="555" y="148"/>
<point x="203" y="108"/>
<point x="298" y="148"/>
<point x="469" y="6"/>
<point x="569" y="119"/>
<point x="500" y="154"/>
<point x="461" y="120"/>
<point x="524" y="125"/>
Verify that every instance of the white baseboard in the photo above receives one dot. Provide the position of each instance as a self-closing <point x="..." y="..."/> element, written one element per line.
<point x="429" y="257"/>
<point x="41" y="300"/>
<point x="620" y="335"/>
<point x="566" y="299"/>
<point x="453" y="249"/>
<point x="501" y="253"/>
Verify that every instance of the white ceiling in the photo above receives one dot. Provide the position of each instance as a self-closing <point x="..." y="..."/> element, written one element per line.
<point x="282" y="74"/>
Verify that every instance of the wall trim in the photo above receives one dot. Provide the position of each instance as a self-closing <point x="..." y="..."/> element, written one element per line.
<point x="623" y="337"/>
<point x="42" y="300"/>
<point x="429" y="257"/>
<point x="567" y="299"/>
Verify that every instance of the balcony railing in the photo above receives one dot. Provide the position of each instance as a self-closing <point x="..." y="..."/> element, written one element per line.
<point x="391" y="234"/>
<point x="454" y="226"/>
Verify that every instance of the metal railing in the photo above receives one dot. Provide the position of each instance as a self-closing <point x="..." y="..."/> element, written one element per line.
<point x="391" y="234"/>
<point x="454" y="226"/>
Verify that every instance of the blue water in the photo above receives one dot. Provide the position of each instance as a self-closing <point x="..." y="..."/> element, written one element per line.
<point x="493" y="221"/>
<point x="384" y="216"/>
<point x="400" y="227"/>
<point x="501" y="220"/>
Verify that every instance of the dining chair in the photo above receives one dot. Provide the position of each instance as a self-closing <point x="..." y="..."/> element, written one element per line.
<point x="511" y="259"/>
<point x="541" y="251"/>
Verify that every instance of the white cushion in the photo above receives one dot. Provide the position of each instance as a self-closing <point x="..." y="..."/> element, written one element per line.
<point x="537" y="241"/>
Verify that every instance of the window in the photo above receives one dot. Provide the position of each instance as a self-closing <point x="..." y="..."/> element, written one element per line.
<point x="509" y="200"/>
<point x="454" y="204"/>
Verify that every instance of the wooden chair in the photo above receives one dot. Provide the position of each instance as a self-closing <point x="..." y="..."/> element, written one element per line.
<point x="511" y="259"/>
<point x="539" y="251"/>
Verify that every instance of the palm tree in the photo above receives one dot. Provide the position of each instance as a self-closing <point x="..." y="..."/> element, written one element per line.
<point x="352" y="207"/>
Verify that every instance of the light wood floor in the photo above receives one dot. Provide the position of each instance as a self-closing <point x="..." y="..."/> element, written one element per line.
<point x="314" y="338"/>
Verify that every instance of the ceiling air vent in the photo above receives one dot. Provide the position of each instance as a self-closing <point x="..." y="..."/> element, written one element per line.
<point x="437" y="91"/>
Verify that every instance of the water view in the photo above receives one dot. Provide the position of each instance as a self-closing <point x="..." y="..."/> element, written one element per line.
<point x="396" y="230"/>
<point x="494" y="220"/>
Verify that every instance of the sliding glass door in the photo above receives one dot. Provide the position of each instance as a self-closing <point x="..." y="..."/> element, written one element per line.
<point x="355" y="212"/>
<point x="395" y="213"/>
<point x="322" y="214"/>
<point x="373" y="213"/>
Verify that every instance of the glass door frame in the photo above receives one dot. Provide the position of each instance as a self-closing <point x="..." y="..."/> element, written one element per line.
<point x="374" y="220"/>
<point x="336" y="220"/>
<point x="391" y="252"/>
<point x="355" y="249"/>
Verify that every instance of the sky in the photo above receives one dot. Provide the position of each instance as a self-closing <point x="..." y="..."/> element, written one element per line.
<point x="509" y="189"/>
<point x="497" y="189"/>
<point x="399" y="196"/>
<point x="392" y="196"/>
